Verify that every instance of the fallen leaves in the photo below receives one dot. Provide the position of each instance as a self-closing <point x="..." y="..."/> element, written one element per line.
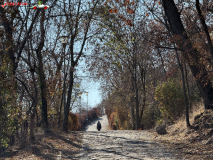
<point x="46" y="145"/>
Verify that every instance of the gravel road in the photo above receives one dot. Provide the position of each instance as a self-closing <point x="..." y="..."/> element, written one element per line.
<point x="121" y="144"/>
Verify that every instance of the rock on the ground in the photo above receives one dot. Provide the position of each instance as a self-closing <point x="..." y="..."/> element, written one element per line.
<point x="161" y="129"/>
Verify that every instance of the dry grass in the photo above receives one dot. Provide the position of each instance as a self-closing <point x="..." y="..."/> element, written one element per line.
<point x="178" y="138"/>
<point x="180" y="125"/>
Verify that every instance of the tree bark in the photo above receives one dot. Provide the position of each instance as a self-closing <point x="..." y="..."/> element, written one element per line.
<point x="59" y="114"/>
<point x="34" y="104"/>
<point x="32" y="123"/>
<point x="137" y="109"/>
<point x="65" y="123"/>
<point x="184" y="90"/>
<point x="143" y="79"/>
<point x="187" y="85"/>
<point x="43" y="86"/>
<point x="190" y="54"/>
<point x="205" y="28"/>
<point x="132" y="113"/>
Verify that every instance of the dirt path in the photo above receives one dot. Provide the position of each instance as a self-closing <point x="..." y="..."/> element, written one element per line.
<point x="121" y="145"/>
<point x="110" y="144"/>
<point x="104" y="124"/>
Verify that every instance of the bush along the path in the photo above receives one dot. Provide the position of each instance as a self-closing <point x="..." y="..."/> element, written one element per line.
<point x="171" y="101"/>
<point x="76" y="125"/>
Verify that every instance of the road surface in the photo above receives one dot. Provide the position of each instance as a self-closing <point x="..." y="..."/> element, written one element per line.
<point x="121" y="144"/>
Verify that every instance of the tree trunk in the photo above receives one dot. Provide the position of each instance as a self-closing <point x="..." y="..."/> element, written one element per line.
<point x="137" y="109"/>
<point x="65" y="123"/>
<point x="34" y="104"/>
<point x="205" y="28"/>
<point x="32" y="123"/>
<point x="20" y="112"/>
<point x="131" y="107"/>
<point x="187" y="85"/>
<point x="143" y="78"/>
<point x="59" y="114"/>
<point x="43" y="86"/>
<point x="189" y="53"/>
<point x="184" y="90"/>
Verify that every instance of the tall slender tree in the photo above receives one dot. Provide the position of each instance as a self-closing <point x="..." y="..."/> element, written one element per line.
<point x="190" y="54"/>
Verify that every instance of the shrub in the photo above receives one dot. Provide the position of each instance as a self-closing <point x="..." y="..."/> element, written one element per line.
<point x="122" y="113"/>
<point x="150" y="116"/>
<point x="73" y="122"/>
<point x="113" y="121"/>
<point x="92" y="115"/>
<point x="170" y="98"/>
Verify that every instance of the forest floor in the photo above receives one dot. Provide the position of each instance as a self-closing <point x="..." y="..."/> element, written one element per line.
<point x="192" y="146"/>
<point x="194" y="143"/>
<point x="47" y="146"/>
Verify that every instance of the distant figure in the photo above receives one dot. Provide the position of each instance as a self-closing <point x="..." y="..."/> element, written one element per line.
<point x="99" y="126"/>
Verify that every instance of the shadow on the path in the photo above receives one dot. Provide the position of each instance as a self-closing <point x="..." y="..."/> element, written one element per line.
<point x="128" y="145"/>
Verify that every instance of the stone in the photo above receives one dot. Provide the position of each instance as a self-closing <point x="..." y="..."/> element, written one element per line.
<point x="161" y="129"/>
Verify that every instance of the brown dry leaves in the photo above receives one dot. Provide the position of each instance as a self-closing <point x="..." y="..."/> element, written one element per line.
<point x="49" y="146"/>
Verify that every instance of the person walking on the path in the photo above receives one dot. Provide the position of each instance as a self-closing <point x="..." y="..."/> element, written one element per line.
<point x="99" y="126"/>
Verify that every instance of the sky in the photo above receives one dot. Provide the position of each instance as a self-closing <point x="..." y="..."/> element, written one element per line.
<point x="94" y="96"/>
<point x="88" y="85"/>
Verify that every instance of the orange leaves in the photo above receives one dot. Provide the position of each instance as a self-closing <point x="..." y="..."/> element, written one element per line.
<point x="130" y="11"/>
<point x="113" y="10"/>
<point x="129" y="22"/>
<point x="128" y="2"/>
<point x="147" y="14"/>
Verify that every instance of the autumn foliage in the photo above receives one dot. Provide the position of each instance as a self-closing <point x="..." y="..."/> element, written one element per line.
<point x="73" y="122"/>
<point x="128" y="10"/>
<point x="113" y="121"/>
